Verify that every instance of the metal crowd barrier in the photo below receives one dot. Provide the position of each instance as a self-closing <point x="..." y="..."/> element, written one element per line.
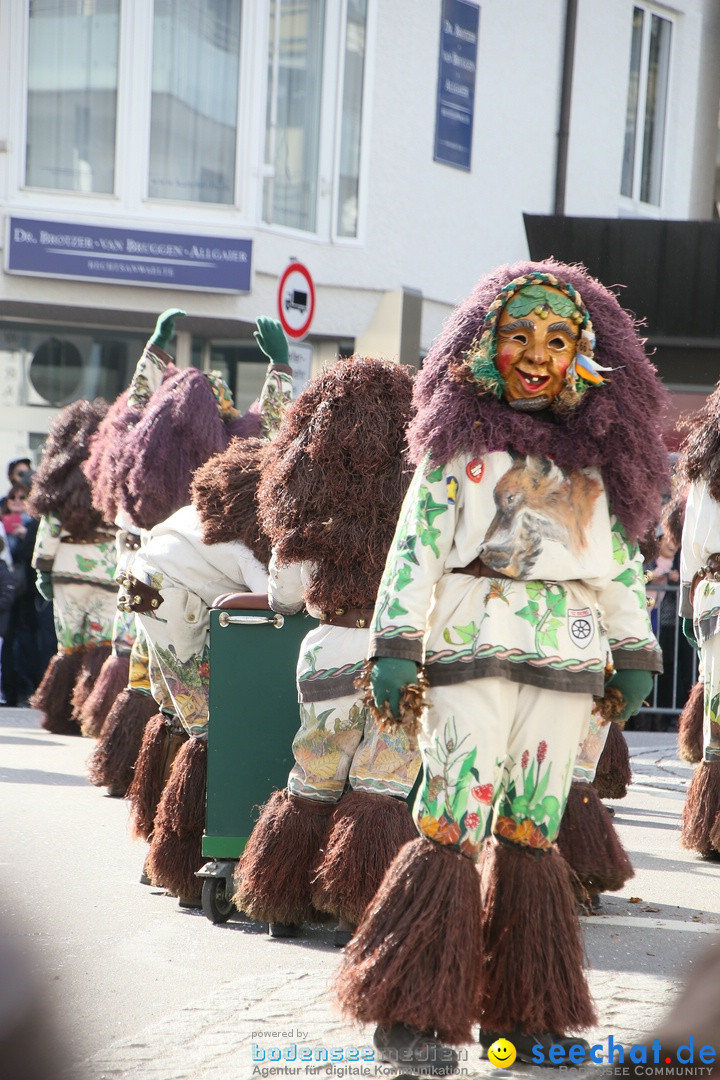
<point x="680" y="660"/>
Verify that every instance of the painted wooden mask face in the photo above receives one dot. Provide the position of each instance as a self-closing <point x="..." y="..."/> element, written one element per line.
<point x="537" y="337"/>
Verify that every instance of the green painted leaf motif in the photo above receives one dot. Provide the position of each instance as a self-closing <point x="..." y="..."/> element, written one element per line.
<point x="533" y="296"/>
<point x="520" y="807"/>
<point x="530" y="612"/>
<point x="548" y="636"/>
<point x="459" y="803"/>
<point x="428" y="538"/>
<point x="627" y="577"/>
<point x="429" y="508"/>
<point x="467" y="765"/>
<point x="534" y="589"/>
<point x="406" y="548"/>
<point x="323" y="718"/>
<point x="466" y="634"/>
<point x="541" y="788"/>
<point x="556" y="600"/>
<point x="435" y="475"/>
<point x="714" y="707"/>
<point x="85" y="564"/>
<point x="396" y="609"/>
<point x="403" y="577"/>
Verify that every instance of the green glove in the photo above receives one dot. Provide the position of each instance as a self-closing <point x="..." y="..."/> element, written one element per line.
<point x="635" y="685"/>
<point x="689" y="633"/>
<point x="164" y="327"/>
<point x="43" y="583"/>
<point x="271" y="339"/>
<point x="388" y="676"/>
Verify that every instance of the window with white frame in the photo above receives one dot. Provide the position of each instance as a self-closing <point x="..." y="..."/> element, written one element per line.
<point x="194" y="118"/>
<point x="292" y="124"/>
<point x="183" y="79"/>
<point x="348" y="178"/>
<point x="72" y="95"/>
<point x="646" y="107"/>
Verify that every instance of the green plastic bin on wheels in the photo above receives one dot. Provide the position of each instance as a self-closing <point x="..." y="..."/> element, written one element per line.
<point x="253" y="719"/>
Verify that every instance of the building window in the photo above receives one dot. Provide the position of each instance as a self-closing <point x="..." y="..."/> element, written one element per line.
<point x="351" y="121"/>
<point x="646" y="107"/>
<point x="193" y="126"/>
<point x="72" y="94"/>
<point x="292" y="123"/>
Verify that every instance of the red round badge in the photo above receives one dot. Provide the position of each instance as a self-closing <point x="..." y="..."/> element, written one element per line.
<point x="475" y="470"/>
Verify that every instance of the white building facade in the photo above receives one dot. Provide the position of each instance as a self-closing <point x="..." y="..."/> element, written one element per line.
<point x="184" y="153"/>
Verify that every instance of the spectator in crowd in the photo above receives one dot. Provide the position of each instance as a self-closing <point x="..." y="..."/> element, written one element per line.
<point x="30" y="639"/>
<point x="19" y="471"/>
<point x="7" y="595"/>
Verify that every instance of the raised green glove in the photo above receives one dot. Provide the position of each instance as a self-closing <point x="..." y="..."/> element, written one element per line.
<point x="271" y="339"/>
<point x="689" y="633"/>
<point x="635" y="685"/>
<point x="388" y="676"/>
<point x="43" y="583"/>
<point x="164" y="327"/>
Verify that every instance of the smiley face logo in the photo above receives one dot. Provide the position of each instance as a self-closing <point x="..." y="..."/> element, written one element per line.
<point x="501" y="1053"/>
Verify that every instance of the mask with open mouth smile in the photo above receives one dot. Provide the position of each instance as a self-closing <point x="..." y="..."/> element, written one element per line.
<point x="537" y="336"/>
<point x="536" y="348"/>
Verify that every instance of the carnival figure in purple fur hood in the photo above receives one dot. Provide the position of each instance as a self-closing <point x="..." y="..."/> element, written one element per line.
<point x="508" y="597"/>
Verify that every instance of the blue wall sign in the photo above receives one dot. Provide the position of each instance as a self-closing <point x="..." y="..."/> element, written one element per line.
<point x="131" y="256"/>
<point x="459" y="24"/>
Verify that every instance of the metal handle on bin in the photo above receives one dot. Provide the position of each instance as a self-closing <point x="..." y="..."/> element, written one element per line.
<point x="225" y="619"/>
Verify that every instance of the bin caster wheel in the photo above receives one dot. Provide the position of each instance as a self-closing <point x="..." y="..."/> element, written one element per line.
<point x="216" y="904"/>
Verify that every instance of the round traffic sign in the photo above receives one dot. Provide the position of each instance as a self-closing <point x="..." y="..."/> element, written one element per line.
<point x="296" y="300"/>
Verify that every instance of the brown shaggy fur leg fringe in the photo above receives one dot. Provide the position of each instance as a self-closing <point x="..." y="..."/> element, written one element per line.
<point x="533" y="963"/>
<point x="112" y="762"/>
<point x="176" y="845"/>
<point x="366" y="833"/>
<point x="111" y="681"/>
<point x="272" y="880"/>
<point x="701" y="809"/>
<point x="416" y="957"/>
<point x="53" y="696"/>
<point x="589" y="842"/>
<point x="93" y="660"/>
<point x="690" y="725"/>
<point x="152" y="768"/>
<point x="613" y="774"/>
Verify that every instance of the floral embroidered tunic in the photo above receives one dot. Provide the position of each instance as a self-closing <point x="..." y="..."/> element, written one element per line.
<point x="701" y="539"/>
<point x="89" y="562"/>
<point x="174" y="555"/>
<point x="569" y="589"/>
<point x="331" y="657"/>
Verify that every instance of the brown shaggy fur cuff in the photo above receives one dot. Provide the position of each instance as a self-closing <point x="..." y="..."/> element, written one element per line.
<point x="93" y="660"/>
<point x="176" y="845"/>
<point x="366" y="833"/>
<point x="112" y="680"/>
<point x="700" y="812"/>
<point x="533" y="951"/>
<point x="589" y="842"/>
<point x="53" y="696"/>
<point x="272" y="880"/>
<point x="157" y="752"/>
<point x="613" y="774"/>
<point x="690" y="725"/>
<point x="416" y="956"/>
<point x="112" y="763"/>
